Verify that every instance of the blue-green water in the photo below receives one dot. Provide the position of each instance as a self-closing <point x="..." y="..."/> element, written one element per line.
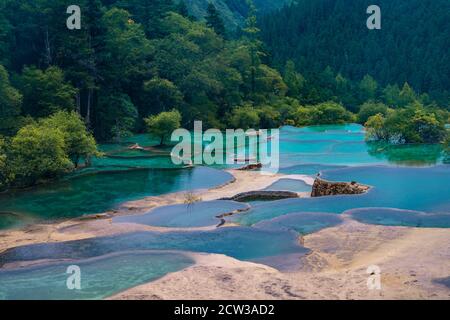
<point x="419" y="189"/>
<point x="289" y="185"/>
<point x="199" y="214"/>
<point x="238" y="242"/>
<point x="302" y="222"/>
<point x="100" y="277"/>
<point x="410" y="188"/>
<point x="396" y="217"/>
<point x="344" y="145"/>
<point x="96" y="193"/>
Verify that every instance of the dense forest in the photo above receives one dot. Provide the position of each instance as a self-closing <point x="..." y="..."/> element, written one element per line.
<point x="412" y="45"/>
<point x="150" y="65"/>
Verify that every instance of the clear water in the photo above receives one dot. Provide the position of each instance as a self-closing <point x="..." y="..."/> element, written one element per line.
<point x="302" y="223"/>
<point x="344" y="145"/>
<point x="238" y="242"/>
<point x="419" y="189"/>
<point x="100" y="277"/>
<point x="199" y="214"/>
<point x="289" y="185"/>
<point x="96" y="193"/>
<point x="308" y="169"/>
<point x="396" y="217"/>
<point x="401" y="195"/>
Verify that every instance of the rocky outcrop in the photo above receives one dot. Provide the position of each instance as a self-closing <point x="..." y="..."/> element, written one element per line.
<point x="251" y="167"/>
<point x="323" y="188"/>
<point x="262" y="196"/>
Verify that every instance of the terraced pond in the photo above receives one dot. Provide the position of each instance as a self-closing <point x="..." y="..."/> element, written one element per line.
<point x="410" y="187"/>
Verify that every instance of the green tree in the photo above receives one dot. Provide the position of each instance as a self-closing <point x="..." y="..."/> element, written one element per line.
<point x="370" y="109"/>
<point x="79" y="143"/>
<point x="128" y="50"/>
<point x="408" y="125"/>
<point x="368" y="88"/>
<point x="163" y="124"/>
<point x="270" y="118"/>
<point x="331" y="113"/>
<point x="251" y="32"/>
<point x="268" y="83"/>
<point x="407" y="95"/>
<point x="391" y="95"/>
<point x="160" y="95"/>
<point x="10" y="103"/>
<point x="46" y="92"/>
<point x="5" y="175"/>
<point x="294" y="80"/>
<point x="375" y="128"/>
<point x="182" y="9"/>
<point x="245" y="117"/>
<point x="118" y="116"/>
<point x="149" y="13"/>
<point x="214" y="21"/>
<point x="5" y="34"/>
<point x="38" y="153"/>
<point x="428" y="127"/>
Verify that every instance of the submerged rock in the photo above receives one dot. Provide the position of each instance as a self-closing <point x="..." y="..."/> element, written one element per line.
<point x="251" y="167"/>
<point x="262" y="195"/>
<point x="323" y="188"/>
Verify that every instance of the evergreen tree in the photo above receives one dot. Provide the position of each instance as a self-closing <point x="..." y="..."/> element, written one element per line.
<point x="251" y="32"/>
<point x="214" y="21"/>
<point x="182" y="9"/>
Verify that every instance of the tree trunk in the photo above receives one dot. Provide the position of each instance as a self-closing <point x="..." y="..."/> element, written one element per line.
<point x="89" y="105"/>
<point x="48" y="52"/>
<point x="78" y="102"/>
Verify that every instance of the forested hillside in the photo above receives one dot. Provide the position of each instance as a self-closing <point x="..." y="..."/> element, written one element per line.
<point x="150" y="66"/>
<point x="412" y="45"/>
<point x="233" y="12"/>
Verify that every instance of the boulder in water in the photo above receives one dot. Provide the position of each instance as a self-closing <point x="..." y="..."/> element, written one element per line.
<point x="323" y="188"/>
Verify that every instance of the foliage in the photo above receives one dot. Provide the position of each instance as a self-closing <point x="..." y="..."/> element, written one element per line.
<point x="38" y="152"/>
<point x="10" y="103"/>
<point x="160" y="95"/>
<point x="118" y="116"/>
<point x="163" y="124"/>
<point x="294" y="80"/>
<point x="321" y="33"/>
<point x="45" y="92"/>
<point x="413" y="124"/>
<point x="370" y="109"/>
<point x="330" y="113"/>
<point x="133" y="61"/>
<point x="214" y="21"/>
<point x="5" y="173"/>
<point x="245" y="117"/>
<point x="79" y="143"/>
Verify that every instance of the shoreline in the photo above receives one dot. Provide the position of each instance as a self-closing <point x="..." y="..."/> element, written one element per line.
<point x="335" y="268"/>
<point x="100" y="224"/>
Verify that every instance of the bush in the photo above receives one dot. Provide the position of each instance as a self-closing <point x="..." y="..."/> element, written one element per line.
<point x="331" y="113"/>
<point x="163" y="124"/>
<point x="5" y="174"/>
<point x="245" y="118"/>
<point x="269" y="117"/>
<point x="370" y="109"/>
<point x="78" y="141"/>
<point x="38" y="152"/>
<point x="409" y="125"/>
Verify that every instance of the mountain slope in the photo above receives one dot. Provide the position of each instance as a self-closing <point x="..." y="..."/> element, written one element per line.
<point x="233" y="12"/>
<point x="412" y="45"/>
